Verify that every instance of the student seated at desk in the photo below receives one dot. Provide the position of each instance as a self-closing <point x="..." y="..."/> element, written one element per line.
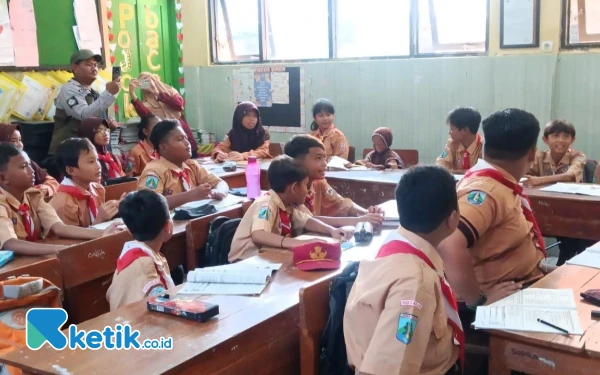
<point x="80" y="200"/>
<point x="382" y="156"/>
<point x="276" y="217"/>
<point x="322" y="200"/>
<point x="174" y="175"/>
<point x="247" y="136"/>
<point x="142" y="153"/>
<point x="559" y="164"/>
<point x="141" y="269"/>
<point x="464" y="147"/>
<point x="24" y="215"/>
<point x="97" y="130"/>
<point x="43" y="181"/>
<point x="401" y="316"/>
<point x="324" y="130"/>
<point x="498" y="245"/>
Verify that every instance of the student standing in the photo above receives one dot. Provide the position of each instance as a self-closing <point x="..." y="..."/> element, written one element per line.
<point x="401" y="316"/>
<point x="143" y="152"/>
<point x="97" y="131"/>
<point x="247" y="136"/>
<point x="464" y="147"/>
<point x="324" y="129"/>
<point x="382" y="156"/>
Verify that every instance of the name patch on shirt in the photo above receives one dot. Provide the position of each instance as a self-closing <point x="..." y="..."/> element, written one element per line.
<point x="151" y="182"/>
<point x="72" y="102"/>
<point x="151" y="284"/>
<point x="407" y="323"/>
<point x="476" y="197"/>
<point x="410" y="302"/>
<point x="263" y="213"/>
<point x="129" y="165"/>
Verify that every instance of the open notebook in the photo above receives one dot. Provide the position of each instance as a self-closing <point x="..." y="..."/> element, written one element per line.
<point x="391" y="219"/>
<point x="338" y="164"/>
<point x="229" y="200"/>
<point x="520" y="312"/>
<point x="242" y="279"/>
<point x="588" y="258"/>
<point x="573" y="188"/>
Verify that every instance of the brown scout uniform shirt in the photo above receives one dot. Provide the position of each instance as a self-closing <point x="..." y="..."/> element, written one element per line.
<point x="335" y="142"/>
<point x="572" y="162"/>
<point x="264" y="215"/>
<point x="261" y="153"/>
<point x="11" y="223"/>
<point x="161" y="176"/>
<point x="384" y="290"/>
<point x="76" y="212"/>
<point x="451" y="157"/>
<point x="139" y="156"/>
<point x="49" y="187"/>
<point x="500" y="239"/>
<point x="327" y="202"/>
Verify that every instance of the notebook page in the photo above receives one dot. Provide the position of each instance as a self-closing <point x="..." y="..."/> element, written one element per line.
<point x="539" y="297"/>
<point x="230" y="277"/>
<point x="588" y="258"/>
<point x="516" y="318"/>
<point x="221" y="289"/>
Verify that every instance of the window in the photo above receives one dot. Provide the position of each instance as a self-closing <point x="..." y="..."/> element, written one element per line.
<point x="583" y="22"/>
<point x="279" y="30"/>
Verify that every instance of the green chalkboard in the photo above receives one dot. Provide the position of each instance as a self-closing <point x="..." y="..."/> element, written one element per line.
<point x="56" y="43"/>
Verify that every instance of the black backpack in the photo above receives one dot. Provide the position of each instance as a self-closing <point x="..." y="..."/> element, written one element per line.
<point x="220" y="234"/>
<point x="333" y="359"/>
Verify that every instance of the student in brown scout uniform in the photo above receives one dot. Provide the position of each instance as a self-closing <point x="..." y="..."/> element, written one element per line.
<point x="321" y="200"/>
<point x="382" y="156"/>
<point x="401" y="316"/>
<point x="43" y="181"/>
<point x="98" y="132"/>
<point x="24" y="216"/>
<point x="80" y="200"/>
<point x="142" y="153"/>
<point x="247" y="136"/>
<point x="142" y="270"/>
<point x="498" y="246"/>
<point x="274" y="218"/>
<point x="324" y="130"/>
<point x="464" y="147"/>
<point x="174" y="175"/>
<point x="559" y="164"/>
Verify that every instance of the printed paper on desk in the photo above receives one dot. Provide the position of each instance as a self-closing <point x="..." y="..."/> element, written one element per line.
<point x="106" y="224"/>
<point x="588" y="258"/>
<point x="573" y="188"/>
<point x="229" y="200"/>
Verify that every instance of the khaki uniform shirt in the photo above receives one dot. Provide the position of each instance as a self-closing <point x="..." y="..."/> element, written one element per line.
<point x="161" y="176"/>
<point x="327" y="202"/>
<point x="261" y="153"/>
<point x="387" y="293"/>
<point x="499" y="237"/>
<point x="49" y="187"/>
<point x="451" y="157"/>
<point x="139" y="156"/>
<point x="335" y="142"/>
<point x="135" y="282"/>
<point x="573" y="163"/>
<point x="11" y="223"/>
<point x="76" y="212"/>
<point x="264" y="215"/>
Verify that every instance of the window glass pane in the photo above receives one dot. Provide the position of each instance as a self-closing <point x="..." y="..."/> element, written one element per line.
<point x="373" y="28"/>
<point x="297" y="29"/>
<point x="238" y="19"/>
<point x="452" y="26"/>
<point x="584" y="21"/>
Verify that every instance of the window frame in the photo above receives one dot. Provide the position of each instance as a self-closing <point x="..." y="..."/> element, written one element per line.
<point x="566" y="29"/>
<point x="332" y="35"/>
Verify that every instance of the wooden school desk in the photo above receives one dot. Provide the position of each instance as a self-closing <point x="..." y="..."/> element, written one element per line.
<point x="114" y="192"/>
<point x="47" y="267"/>
<point x="258" y="335"/>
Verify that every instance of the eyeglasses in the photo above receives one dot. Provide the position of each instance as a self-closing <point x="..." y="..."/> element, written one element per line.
<point x="102" y="130"/>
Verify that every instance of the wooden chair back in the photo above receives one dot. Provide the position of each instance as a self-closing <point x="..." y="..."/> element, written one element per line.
<point x="114" y="192"/>
<point x="352" y="154"/>
<point x="410" y="157"/>
<point x="275" y="149"/>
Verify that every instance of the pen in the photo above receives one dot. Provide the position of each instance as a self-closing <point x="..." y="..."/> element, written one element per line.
<point x="553" y="245"/>
<point x="553" y="326"/>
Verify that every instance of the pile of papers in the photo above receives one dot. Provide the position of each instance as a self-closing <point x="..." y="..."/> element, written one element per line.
<point x="573" y="188"/>
<point x="228" y="201"/>
<point x="521" y="311"/>
<point x="338" y="164"/>
<point x="589" y="258"/>
<point x="391" y="219"/>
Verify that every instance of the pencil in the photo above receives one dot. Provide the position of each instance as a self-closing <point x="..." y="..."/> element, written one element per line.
<point x="553" y="326"/>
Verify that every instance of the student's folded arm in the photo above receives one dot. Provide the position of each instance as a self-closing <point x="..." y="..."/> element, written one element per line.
<point x="224" y="147"/>
<point x="563" y="177"/>
<point x="262" y="152"/>
<point x="76" y="233"/>
<point x="175" y="101"/>
<point x="338" y="221"/>
<point x="21" y="247"/>
<point x="51" y="186"/>
<point x="357" y="210"/>
<point x="317" y="226"/>
<point x="180" y="199"/>
<point x="140" y="108"/>
<point x="80" y="110"/>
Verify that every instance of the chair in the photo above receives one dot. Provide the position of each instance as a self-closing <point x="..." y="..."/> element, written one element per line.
<point x="314" y="311"/>
<point x="352" y="154"/>
<point x="410" y="157"/>
<point x="275" y="149"/>
<point x="589" y="171"/>
<point x="114" y="192"/>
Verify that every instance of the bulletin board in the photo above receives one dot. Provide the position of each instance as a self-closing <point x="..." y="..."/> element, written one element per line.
<point x="277" y="91"/>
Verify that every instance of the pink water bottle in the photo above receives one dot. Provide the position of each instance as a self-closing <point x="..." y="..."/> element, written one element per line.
<point x="252" y="178"/>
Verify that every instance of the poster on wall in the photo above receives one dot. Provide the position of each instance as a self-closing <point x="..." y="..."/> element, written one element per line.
<point x="262" y="87"/>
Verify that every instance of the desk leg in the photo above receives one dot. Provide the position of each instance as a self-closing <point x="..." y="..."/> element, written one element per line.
<point x="497" y="365"/>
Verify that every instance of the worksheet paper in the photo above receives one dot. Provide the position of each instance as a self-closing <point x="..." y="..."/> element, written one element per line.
<point x="7" y="55"/>
<point x="588" y="258"/>
<point x="22" y="20"/>
<point x="521" y="311"/>
<point x="229" y="200"/>
<point x="573" y="188"/>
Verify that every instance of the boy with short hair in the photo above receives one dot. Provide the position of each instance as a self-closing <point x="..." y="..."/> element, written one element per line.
<point x="276" y="217"/>
<point x="498" y="245"/>
<point x="24" y="215"/>
<point x="141" y="269"/>
<point x="322" y="200"/>
<point x="80" y="200"/>
<point x="464" y="147"/>
<point x="175" y="175"/>
<point x="401" y="316"/>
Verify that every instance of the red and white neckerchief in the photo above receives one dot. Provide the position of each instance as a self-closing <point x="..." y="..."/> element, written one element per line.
<point x="25" y="212"/>
<point x="309" y="201"/>
<point x="185" y="179"/>
<point x="397" y="244"/>
<point x="133" y="250"/>
<point x="67" y="186"/>
<point x="113" y="168"/>
<point x="465" y="155"/>
<point x="484" y="169"/>
<point x="285" y="223"/>
<point x="152" y="153"/>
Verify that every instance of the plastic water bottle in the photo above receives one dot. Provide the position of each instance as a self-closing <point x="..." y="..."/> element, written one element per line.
<point x="252" y="178"/>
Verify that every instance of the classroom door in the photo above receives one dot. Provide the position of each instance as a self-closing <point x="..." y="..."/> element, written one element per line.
<point x="140" y="41"/>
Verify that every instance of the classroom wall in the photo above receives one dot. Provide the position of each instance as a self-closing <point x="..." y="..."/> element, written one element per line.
<point x="413" y="96"/>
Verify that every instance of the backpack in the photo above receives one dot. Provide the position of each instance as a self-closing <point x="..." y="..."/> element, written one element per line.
<point x="333" y="359"/>
<point x="589" y="170"/>
<point x="14" y="310"/>
<point x="220" y="235"/>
